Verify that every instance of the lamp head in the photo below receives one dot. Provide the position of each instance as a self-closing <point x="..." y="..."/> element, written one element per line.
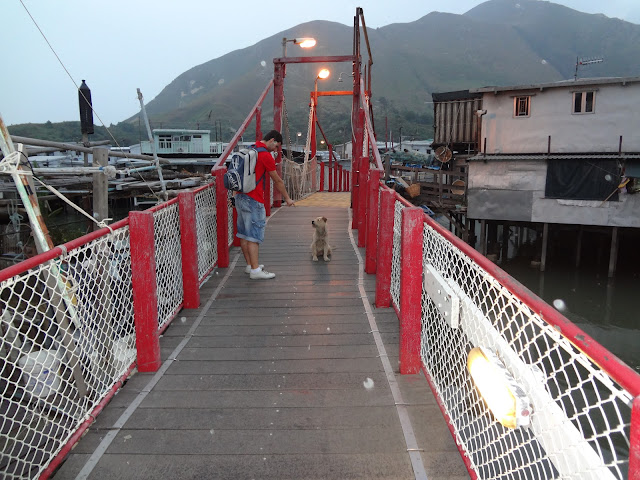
<point x="324" y="73"/>
<point x="305" y="42"/>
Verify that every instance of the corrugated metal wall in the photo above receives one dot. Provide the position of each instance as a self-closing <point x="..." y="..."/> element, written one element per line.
<point x="456" y="122"/>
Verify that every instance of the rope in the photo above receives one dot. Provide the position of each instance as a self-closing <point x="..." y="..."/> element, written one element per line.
<point x="101" y="224"/>
<point x="10" y="165"/>
<point x="69" y="74"/>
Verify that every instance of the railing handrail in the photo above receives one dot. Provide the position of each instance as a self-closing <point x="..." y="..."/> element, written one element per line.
<point x="44" y="257"/>
<point x="371" y="136"/>
<point x="245" y="124"/>
<point x="619" y="371"/>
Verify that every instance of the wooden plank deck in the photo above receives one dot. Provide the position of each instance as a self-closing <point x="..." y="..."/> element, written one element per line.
<point x="275" y="379"/>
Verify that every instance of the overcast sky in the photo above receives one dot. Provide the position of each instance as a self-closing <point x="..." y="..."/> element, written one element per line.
<point x="121" y="45"/>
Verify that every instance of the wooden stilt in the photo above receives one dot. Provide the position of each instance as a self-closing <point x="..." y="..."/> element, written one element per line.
<point x="465" y="232"/>
<point x="609" y="301"/>
<point x="579" y="245"/>
<point x="520" y="235"/>
<point x="100" y="186"/>
<point x="505" y="242"/>
<point x="483" y="237"/>
<point x="543" y="254"/>
<point x="613" y="254"/>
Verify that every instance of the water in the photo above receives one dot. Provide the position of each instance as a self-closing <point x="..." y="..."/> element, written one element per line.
<point x="606" y="309"/>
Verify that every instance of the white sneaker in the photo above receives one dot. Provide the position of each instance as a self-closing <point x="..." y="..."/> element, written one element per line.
<point x="248" y="268"/>
<point x="261" y="275"/>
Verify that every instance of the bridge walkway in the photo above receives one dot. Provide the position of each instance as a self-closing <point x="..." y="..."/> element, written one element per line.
<point x="276" y="379"/>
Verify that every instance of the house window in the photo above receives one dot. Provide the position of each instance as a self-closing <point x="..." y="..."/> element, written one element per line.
<point x="164" y="141"/>
<point x="522" y="106"/>
<point x="584" y="102"/>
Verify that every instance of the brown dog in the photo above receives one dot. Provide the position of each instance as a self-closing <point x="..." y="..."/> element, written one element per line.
<point x="320" y="244"/>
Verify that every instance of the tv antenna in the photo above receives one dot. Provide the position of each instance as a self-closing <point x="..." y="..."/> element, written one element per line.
<point x="585" y="61"/>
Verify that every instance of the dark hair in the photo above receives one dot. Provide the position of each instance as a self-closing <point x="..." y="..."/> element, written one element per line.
<point x="276" y="135"/>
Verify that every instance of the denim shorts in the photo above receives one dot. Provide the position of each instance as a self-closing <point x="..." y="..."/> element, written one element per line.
<point x="252" y="218"/>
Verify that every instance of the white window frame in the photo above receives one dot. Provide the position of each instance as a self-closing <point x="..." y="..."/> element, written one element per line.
<point x="164" y="141"/>
<point x="516" y="104"/>
<point x="583" y="102"/>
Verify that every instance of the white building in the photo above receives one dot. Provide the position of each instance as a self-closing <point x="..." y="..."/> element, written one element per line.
<point x="557" y="153"/>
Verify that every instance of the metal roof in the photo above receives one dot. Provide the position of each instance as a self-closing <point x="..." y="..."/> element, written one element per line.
<point x="581" y="82"/>
<point x="555" y="156"/>
<point x="178" y="130"/>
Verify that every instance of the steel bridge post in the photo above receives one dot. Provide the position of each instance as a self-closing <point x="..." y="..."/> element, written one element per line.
<point x="372" y="221"/>
<point x="222" y="217"/>
<point x="411" y="289"/>
<point x="189" y="247"/>
<point x="385" y="248"/>
<point x="278" y="97"/>
<point x="362" y="201"/>
<point x="634" y="441"/>
<point x="145" y="290"/>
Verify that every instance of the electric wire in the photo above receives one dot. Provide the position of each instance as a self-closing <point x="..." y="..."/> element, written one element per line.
<point x="78" y="88"/>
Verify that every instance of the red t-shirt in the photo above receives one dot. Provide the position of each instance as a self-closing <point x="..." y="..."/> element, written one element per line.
<point x="265" y="164"/>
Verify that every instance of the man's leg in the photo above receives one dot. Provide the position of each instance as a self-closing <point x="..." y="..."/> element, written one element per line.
<point x="253" y="250"/>
<point x="244" y="246"/>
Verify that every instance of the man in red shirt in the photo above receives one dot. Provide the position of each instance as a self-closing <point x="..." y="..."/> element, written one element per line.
<point x="252" y="217"/>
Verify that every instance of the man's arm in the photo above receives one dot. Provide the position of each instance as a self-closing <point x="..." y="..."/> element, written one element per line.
<point x="278" y="183"/>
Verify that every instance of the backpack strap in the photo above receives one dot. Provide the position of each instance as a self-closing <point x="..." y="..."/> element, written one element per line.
<point x="262" y="178"/>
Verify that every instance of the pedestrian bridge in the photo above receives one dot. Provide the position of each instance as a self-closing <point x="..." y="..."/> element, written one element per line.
<point x="143" y="350"/>
<point x="295" y="377"/>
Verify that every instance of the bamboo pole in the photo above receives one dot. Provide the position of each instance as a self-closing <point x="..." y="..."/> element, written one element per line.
<point x="153" y="146"/>
<point x="78" y="148"/>
<point x="56" y="284"/>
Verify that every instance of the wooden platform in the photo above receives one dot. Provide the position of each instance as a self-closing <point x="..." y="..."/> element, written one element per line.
<point x="276" y="379"/>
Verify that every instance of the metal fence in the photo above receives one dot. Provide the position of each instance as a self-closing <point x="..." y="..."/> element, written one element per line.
<point x="68" y="337"/>
<point x="168" y="262"/>
<point x="571" y="400"/>
<point x="206" y="230"/>
<point x="68" y="334"/>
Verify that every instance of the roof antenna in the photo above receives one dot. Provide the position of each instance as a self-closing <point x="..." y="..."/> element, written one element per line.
<point x="585" y="61"/>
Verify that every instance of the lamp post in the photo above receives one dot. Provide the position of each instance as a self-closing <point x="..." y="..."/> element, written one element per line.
<point x="304" y="42"/>
<point x="322" y="74"/>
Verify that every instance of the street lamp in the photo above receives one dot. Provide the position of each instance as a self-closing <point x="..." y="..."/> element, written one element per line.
<point x="343" y="73"/>
<point x="304" y="42"/>
<point x="322" y="74"/>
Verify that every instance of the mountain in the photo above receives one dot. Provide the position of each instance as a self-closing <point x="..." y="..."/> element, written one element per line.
<point x="499" y="42"/>
<point x="560" y="35"/>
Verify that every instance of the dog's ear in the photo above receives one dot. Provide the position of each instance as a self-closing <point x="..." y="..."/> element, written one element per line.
<point x="325" y="219"/>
